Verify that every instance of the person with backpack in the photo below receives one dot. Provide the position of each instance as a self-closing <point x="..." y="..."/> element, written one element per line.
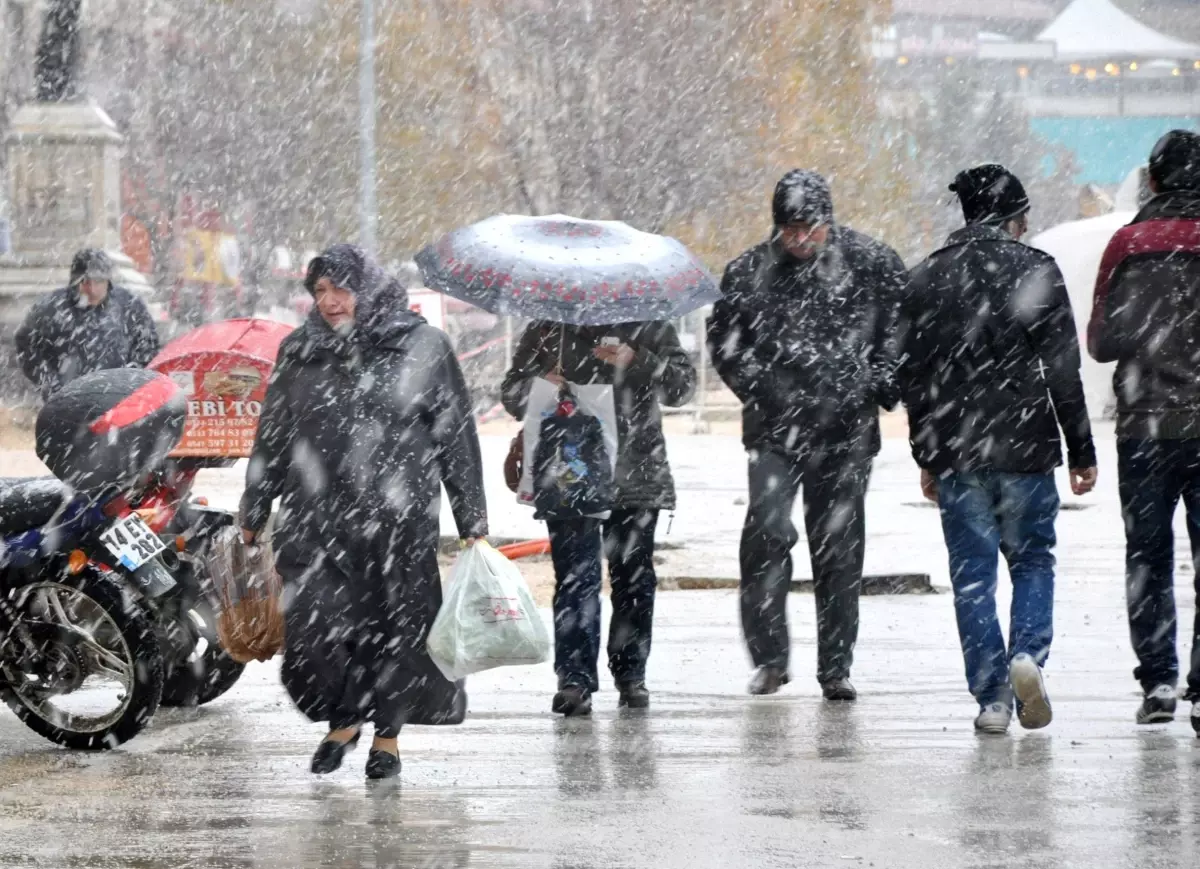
<point x="804" y="336"/>
<point x="990" y="372"/>
<point x="647" y="368"/>
<point x="1144" y="318"/>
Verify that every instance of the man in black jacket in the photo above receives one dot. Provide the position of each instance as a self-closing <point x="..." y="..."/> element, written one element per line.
<point x="804" y="337"/>
<point x="1144" y="319"/>
<point x="990" y="370"/>
<point x="647" y="368"/>
<point x="88" y="325"/>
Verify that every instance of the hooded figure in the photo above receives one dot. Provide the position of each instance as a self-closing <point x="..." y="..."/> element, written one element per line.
<point x="88" y="325"/>
<point x="804" y="337"/>
<point x="366" y="417"/>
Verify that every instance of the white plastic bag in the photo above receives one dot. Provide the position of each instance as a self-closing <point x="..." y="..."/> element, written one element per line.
<point x="594" y="399"/>
<point x="488" y="618"/>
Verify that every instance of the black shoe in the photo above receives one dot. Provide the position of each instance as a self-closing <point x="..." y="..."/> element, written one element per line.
<point x="329" y="755"/>
<point x="1196" y="718"/>
<point x="768" y="680"/>
<point x="839" y="690"/>
<point x="1158" y="706"/>
<point x="572" y="700"/>
<point x="634" y="695"/>
<point x="382" y="764"/>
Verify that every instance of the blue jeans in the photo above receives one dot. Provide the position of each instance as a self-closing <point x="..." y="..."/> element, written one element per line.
<point x="1154" y="477"/>
<point x="626" y="539"/>
<point x="985" y="514"/>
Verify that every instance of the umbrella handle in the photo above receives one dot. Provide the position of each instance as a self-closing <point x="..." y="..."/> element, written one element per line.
<point x="562" y="342"/>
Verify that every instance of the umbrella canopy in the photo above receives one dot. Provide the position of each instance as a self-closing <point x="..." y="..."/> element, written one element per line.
<point x="567" y="270"/>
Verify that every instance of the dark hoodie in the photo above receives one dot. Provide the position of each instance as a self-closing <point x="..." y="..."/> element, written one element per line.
<point x="1144" y="316"/>
<point x="61" y="340"/>
<point x="360" y="431"/>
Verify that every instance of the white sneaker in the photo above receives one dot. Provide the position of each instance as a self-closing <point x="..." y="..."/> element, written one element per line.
<point x="1158" y="706"/>
<point x="994" y="719"/>
<point x="1033" y="704"/>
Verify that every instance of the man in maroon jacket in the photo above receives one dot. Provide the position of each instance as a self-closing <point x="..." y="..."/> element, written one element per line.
<point x="1146" y="318"/>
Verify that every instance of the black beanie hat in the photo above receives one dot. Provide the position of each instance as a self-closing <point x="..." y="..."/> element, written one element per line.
<point x="802" y="196"/>
<point x="990" y="194"/>
<point x="1175" y="161"/>
<point x="90" y="264"/>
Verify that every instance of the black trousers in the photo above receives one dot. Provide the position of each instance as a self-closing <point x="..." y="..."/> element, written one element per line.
<point x="627" y="541"/>
<point x="834" y="487"/>
<point x="1155" y="476"/>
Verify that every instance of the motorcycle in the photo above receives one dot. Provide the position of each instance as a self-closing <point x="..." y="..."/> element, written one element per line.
<point x="81" y="661"/>
<point x="198" y="669"/>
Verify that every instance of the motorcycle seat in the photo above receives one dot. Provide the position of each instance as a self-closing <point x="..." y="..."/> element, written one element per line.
<point x="27" y="503"/>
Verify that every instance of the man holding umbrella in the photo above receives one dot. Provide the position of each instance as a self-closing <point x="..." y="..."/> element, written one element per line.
<point x="646" y="365"/>
<point x="600" y="295"/>
<point x="804" y="336"/>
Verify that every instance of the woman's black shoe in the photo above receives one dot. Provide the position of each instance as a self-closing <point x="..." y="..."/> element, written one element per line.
<point x="382" y="764"/>
<point x="330" y="754"/>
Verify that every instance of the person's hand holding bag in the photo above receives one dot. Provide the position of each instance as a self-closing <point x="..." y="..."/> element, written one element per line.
<point x="488" y="618"/>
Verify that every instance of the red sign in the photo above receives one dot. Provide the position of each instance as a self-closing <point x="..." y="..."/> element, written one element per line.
<point x="223" y="370"/>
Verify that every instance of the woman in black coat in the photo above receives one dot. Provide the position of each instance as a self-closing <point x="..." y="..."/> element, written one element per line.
<point x="366" y="417"/>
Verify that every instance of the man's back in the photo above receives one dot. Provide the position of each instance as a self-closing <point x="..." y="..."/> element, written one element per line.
<point x="1146" y="317"/>
<point x="991" y="359"/>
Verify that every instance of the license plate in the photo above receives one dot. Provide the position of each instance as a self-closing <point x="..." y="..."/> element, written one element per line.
<point x="131" y="542"/>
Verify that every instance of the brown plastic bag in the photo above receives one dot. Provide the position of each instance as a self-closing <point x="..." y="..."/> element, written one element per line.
<point x="513" y="461"/>
<point x="251" y="621"/>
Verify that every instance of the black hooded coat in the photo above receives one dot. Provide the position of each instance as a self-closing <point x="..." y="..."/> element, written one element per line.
<point x="61" y="340"/>
<point x="358" y="434"/>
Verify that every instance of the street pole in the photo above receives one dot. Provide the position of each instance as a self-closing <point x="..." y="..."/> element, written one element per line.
<point x="367" y="214"/>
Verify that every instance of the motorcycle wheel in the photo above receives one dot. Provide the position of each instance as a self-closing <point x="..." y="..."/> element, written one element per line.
<point x="208" y="673"/>
<point x="99" y="647"/>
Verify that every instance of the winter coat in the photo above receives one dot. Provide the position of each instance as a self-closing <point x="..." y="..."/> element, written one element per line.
<point x="808" y="346"/>
<point x="1144" y="318"/>
<point x="990" y="359"/>
<point x="358" y="435"/>
<point x="661" y="373"/>
<point x="61" y="340"/>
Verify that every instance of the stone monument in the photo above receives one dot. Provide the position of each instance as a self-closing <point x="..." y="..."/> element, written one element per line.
<point x="63" y="179"/>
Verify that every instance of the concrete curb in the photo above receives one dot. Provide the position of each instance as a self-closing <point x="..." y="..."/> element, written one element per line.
<point x="879" y="584"/>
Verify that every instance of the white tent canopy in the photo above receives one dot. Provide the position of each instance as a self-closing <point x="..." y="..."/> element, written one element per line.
<point x="1096" y="29"/>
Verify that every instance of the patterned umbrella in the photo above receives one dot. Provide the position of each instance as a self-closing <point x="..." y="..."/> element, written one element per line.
<point x="567" y="270"/>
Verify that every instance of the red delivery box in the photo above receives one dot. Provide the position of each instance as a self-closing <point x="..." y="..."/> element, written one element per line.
<point x="223" y="370"/>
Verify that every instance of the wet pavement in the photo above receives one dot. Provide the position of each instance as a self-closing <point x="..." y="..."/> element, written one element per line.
<point x="708" y="777"/>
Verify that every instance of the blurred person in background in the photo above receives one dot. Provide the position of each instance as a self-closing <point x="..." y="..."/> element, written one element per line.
<point x="89" y="325"/>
